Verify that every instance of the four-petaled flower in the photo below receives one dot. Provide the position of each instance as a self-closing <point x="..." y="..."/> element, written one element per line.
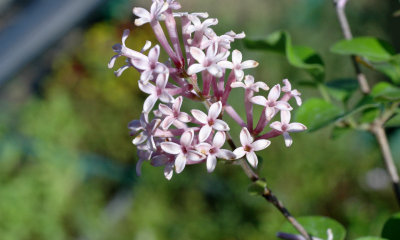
<point x="165" y="159"/>
<point x="249" y="147"/>
<point x="250" y="84"/>
<point x="285" y="127"/>
<point x="213" y="151"/>
<point x="150" y="65"/>
<point x="208" y="61"/>
<point x="271" y="103"/>
<point x="184" y="150"/>
<point x="237" y="65"/>
<point x="156" y="13"/>
<point x="173" y="114"/>
<point x="156" y="92"/>
<point x="294" y="93"/>
<point x="210" y="122"/>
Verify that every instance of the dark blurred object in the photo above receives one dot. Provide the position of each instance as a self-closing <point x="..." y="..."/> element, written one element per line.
<point x="27" y="32"/>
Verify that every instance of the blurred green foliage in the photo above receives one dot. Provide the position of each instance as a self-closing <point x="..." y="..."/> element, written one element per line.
<point x="67" y="161"/>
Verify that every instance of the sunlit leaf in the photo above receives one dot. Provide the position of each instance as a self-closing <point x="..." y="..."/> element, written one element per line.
<point x="298" y="56"/>
<point x="317" y="226"/>
<point x="385" y="92"/>
<point x="316" y="113"/>
<point x="394" y="121"/>
<point x="371" y="48"/>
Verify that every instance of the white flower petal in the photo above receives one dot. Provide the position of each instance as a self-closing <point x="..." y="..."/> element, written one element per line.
<point x="211" y="163"/>
<point x="154" y="124"/>
<point x="260" y="144"/>
<point x="135" y="125"/>
<point x="238" y="84"/>
<point x="141" y="12"/>
<point x="169" y="170"/>
<point x="177" y="104"/>
<point x="199" y="116"/>
<point x="147" y="88"/>
<point x="236" y="57"/>
<point x="146" y="76"/>
<point x="252" y="159"/>
<point x="180" y="163"/>
<point x="245" y="137"/>
<point x="249" y="64"/>
<point x="226" y="154"/>
<point x="141" y="21"/>
<point x="149" y="103"/>
<point x="262" y="85"/>
<point x="225" y="64"/>
<point x="140" y="138"/>
<point x="171" y="147"/>
<point x="298" y="100"/>
<point x="275" y="92"/>
<point x="161" y="81"/>
<point x="142" y="64"/>
<point x="238" y="73"/>
<point x="166" y="97"/>
<point x="296" y="127"/>
<point x="288" y="139"/>
<point x="269" y="113"/>
<point x="165" y="109"/>
<point x="285" y="117"/>
<point x="287" y="87"/>
<point x="197" y="54"/>
<point x="204" y="133"/>
<point x="215" y="70"/>
<point x="187" y="138"/>
<point x="154" y="53"/>
<point x="282" y="105"/>
<point x="167" y="122"/>
<point x="239" y="152"/>
<point x="203" y="148"/>
<point x="215" y="110"/>
<point x="160" y="68"/>
<point x="195" y="155"/>
<point x="195" y="68"/>
<point x="260" y="100"/>
<point x="220" y="125"/>
<point x="219" y="140"/>
<point x="276" y="125"/>
<point x="184" y="117"/>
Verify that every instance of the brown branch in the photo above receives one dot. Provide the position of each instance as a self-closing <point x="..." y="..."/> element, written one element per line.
<point x="268" y="194"/>
<point x="344" y="24"/>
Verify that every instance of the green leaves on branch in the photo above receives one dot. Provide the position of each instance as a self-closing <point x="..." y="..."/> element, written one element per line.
<point x="342" y="89"/>
<point x="298" y="56"/>
<point x="316" y="113"/>
<point x="391" y="229"/>
<point x="257" y="187"/>
<point x="385" y="92"/>
<point x="317" y="226"/>
<point x="379" y="54"/>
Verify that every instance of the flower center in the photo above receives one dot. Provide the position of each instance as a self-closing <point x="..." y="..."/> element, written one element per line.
<point x="247" y="148"/>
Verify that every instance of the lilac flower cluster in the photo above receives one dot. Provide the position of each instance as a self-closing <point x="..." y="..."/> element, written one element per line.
<point x="207" y="56"/>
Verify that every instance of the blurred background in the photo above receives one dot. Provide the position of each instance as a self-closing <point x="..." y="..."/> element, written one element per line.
<point x="67" y="160"/>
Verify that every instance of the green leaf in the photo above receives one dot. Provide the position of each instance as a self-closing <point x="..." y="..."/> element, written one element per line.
<point x="391" y="229"/>
<point x="316" y="113"/>
<point x="337" y="132"/>
<point x="371" y="238"/>
<point x="371" y="48"/>
<point x="390" y="68"/>
<point x="365" y="103"/>
<point x="298" y="56"/>
<point x="342" y="89"/>
<point x="307" y="83"/>
<point x="385" y="92"/>
<point x="369" y="115"/>
<point x="317" y="226"/>
<point x="394" y="121"/>
<point x="257" y="187"/>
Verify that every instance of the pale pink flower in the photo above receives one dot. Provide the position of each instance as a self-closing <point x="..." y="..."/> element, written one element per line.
<point x="210" y="122"/>
<point x="211" y="37"/>
<point x="148" y="130"/>
<point x="271" y="104"/>
<point x="150" y="65"/>
<point x="207" y="62"/>
<point x="198" y="25"/>
<point x="236" y="36"/>
<point x="249" y="147"/>
<point x="293" y="93"/>
<point x="156" y="92"/>
<point x="156" y="13"/>
<point x="285" y="127"/>
<point x="183" y="151"/>
<point x="213" y="151"/>
<point x="173" y="114"/>
<point x="250" y="84"/>
<point x="172" y="4"/>
<point x="237" y="65"/>
<point x="144" y="154"/>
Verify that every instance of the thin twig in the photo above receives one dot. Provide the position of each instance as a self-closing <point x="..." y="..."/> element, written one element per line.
<point x="344" y="24"/>
<point x="268" y="194"/>
<point x="379" y="132"/>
